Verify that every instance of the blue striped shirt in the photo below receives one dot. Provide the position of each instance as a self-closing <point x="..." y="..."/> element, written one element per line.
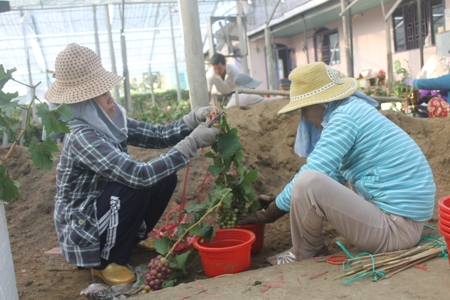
<point x="361" y="146"/>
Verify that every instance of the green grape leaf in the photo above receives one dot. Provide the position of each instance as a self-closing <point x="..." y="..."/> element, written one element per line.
<point x="6" y="121"/>
<point x="197" y="207"/>
<point x="42" y="153"/>
<point x="196" y="230"/>
<point x="169" y="283"/>
<point x="228" y="143"/>
<point x="208" y="233"/>
<point x="238" y="156"/>
<point x="210" y="154"/>
<point x="251" y="175"/>
<point x="181" y="228"/>
<point x="241" y="170"/>
<point x="5" y="100"/>
<point x="182" y="261"/>
<point x="217" y="167"/>
<point x="5" y="75"/>
<point x="246" y="186"/>
<point x="9" y="189"/>
<point x="162" y="245"/>
<point x="55" y="120"/>
<point x="228" y="200"/>
<point x="64" y="112"/>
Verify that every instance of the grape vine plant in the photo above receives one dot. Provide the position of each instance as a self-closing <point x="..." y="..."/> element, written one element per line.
<point x="54" y="121"/>
<point x="232" y="195"/>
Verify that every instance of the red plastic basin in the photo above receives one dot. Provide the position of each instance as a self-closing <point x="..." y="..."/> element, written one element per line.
<point x="444" y="221"/>
<point x="258" y="230"/>
<point x="227" y="253"/>
<point x="444" y="229"/>
<point x="444" y="205"/>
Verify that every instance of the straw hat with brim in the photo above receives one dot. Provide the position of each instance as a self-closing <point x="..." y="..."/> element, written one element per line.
<point x="79" y="76"/>
<point x="317" y="83"/>
<point x="243" y="80"/>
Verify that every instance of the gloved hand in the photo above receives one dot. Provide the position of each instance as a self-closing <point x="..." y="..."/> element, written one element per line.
<point x="197" y="116"/>
<point x="269" y="215"/>
<point x="265" y="200"/>
<point x="202" y="136"/>
<point x="409" y="81"/>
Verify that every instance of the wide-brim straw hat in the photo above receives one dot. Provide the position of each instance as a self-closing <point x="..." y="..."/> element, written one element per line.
<point x="79" y="76"/>
<point x="243" y="80"/>
<point x="317" y="83"/>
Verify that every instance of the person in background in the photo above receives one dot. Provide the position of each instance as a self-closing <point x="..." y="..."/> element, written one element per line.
<point x="220" y="78"/>
<point x="438" y="106"/>
<point x="347" y="140"/>
<point x="106" y="202"/>
<point x="245" y="100"/>
<point x="440" y="85"/>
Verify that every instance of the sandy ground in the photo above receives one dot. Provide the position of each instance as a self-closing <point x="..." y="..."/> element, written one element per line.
<point x="267" y="140"/>
<point x="296" y="281"/>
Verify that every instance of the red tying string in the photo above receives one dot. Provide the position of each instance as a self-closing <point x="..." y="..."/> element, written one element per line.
<point x="170" y="229"/>
<point x="182" y="217"/>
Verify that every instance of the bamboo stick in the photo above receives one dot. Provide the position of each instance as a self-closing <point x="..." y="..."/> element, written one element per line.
<point x="390" y="262"/>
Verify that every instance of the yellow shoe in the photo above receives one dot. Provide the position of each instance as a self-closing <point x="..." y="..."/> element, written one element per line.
<point x="145" y="245"/>
<point x="115" y="274"/>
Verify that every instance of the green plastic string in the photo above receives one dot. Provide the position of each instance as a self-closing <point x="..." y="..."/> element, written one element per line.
<point x="429" y="226"/>
<point x="438" y="242"/>
<point x="344" y="249"/>
<point x="433" y="237"/>
<point x="373" y="275"/>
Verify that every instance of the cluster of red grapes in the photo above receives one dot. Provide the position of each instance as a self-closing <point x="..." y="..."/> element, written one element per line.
<point x="158" y="271"/>
<point x="227" y="217"/>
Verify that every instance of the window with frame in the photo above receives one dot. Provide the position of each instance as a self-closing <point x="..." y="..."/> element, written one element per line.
<point x="406" y="24"/>
<point x="326" y="46"/>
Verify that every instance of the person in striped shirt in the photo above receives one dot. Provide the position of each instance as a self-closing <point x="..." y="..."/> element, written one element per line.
<point x="106" y="202"/>
<point x="347" y="141"/>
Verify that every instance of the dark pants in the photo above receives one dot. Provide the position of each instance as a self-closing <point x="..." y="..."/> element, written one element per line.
<point x="135" y="206"/>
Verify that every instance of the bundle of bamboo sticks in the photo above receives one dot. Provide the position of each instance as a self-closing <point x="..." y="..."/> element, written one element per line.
<point x="385" y="265"/>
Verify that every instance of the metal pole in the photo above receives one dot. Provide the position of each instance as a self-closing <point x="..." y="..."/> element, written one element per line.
<point x="269" y="50"/>
<point x="305" y="36"/>
<point x="112" y="56"/>
<point x="242" y="38"/>
<point x="193" y="48"/>
<point x="30" y="77"/>
<point x="262" y="92"/>
<point x="236" y="97"/>
<point x="345" y="29"/>
<point x="152" y="92"/>
<point x="420" y="31"/>
<point x="123" y="47"/>
<point x="390" y="64"/>
<point x="174" y="54"/>
<point x="97" y="43"/>
<point x="347" y="8"/>
<point x="269" y="57"/>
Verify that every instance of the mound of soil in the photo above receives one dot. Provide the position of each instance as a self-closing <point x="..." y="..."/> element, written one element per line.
<point x="267" y="140"/>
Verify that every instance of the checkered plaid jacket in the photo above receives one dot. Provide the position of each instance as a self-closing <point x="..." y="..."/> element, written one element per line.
<point x="89" y="161"/>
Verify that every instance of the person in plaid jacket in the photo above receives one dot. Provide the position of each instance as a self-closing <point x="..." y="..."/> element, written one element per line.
<point x="106" y="203"/>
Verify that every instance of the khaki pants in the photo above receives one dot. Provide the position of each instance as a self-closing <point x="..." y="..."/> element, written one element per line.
<point x="316" y="197"/>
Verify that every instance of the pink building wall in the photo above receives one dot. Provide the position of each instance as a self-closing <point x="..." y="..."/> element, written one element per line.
<point x="369" y="48"/>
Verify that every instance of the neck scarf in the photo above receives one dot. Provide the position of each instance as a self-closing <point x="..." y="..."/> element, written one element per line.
<point x="90" y="113"/>
<point x="308" y="135"/>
